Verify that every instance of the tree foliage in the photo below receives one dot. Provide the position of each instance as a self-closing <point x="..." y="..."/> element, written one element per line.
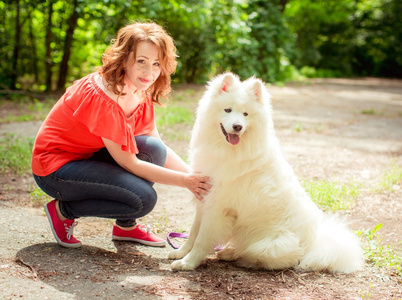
<point x="46" y="44"/>
<point x="355" y="38"/>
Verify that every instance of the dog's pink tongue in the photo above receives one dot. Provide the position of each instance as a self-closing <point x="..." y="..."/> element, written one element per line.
<point x="233" y="139"/>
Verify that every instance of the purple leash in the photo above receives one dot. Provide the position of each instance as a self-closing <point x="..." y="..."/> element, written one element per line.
<point x="175" y="235"/>
<point x="182" y="235"/>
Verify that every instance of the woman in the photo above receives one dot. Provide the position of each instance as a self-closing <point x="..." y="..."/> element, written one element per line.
<point x="99" y="152"/>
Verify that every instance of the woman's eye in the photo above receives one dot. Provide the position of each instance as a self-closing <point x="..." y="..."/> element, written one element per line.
<point x="228" y="110"/>
<point x="141" y="61"/>
<point x="157" y="64"/>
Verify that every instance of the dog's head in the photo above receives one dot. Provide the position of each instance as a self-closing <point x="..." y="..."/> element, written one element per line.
<point x="238" y="106"/>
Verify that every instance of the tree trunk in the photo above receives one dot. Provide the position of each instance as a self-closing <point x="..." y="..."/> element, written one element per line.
<point x="16" y="50"/>
<point x="34" y="57"/>
<point x="48" y="41"/>
<point x="283" y="5"/>
<point x="67" y="47"/>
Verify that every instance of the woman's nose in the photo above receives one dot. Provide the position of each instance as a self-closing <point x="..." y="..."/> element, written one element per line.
<point x="148" y="69"/>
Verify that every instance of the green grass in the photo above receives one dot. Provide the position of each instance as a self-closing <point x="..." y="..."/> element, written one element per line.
<point x="368" y="112"/>
<point x="29" y="110"/>
<point x="39" y="197"/>
<point x="391" y="180"/>
<point x="311" y="72"/>
<point x="15" y="154"/>
<point x="21" y="118"/>
<point x="298" y="127"/>
<point x="174" y="122"/>
<point x="377" y="254"/>
<point x="172" y="115"/>
<point x="332" y="196"/>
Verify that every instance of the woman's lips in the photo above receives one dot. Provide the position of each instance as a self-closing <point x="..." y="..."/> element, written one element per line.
<point x="143" y="80"/>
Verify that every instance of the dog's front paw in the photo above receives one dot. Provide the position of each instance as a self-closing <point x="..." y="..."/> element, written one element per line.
<point x="182" y="265"/>
<point x="176" y="254"/>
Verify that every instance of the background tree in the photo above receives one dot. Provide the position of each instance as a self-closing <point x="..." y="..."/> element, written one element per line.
<point x="48" y="41"/>
<point x="351" y="38"/>
<point x="46" y="44"/>
<point x="17" y="45"/>
<point x="68" y="41"/>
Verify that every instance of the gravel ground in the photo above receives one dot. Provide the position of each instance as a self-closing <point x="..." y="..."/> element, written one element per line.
<point x="335" y="130"/>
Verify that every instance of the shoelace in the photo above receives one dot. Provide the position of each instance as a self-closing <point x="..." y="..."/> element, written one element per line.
<point x="70" y="229"/>
<point x="147" y="228"/>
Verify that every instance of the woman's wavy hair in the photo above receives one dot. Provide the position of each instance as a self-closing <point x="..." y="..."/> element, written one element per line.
<point x="115" y="57"/>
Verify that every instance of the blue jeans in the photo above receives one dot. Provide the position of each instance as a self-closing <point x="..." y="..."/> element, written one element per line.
<point x="99" y="187"/>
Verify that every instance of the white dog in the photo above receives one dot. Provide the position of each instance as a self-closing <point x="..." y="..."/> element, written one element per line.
<point x="257" y="208"/>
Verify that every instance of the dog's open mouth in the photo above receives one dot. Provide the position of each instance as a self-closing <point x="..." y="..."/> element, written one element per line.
<point x="232" y="138"/>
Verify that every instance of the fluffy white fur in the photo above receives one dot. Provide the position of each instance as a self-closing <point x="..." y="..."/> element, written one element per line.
<point x="257" y="208"/>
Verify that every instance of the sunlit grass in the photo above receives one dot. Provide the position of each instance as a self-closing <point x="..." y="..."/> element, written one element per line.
<point x="332" y="196"/>
<point x="368" y="112"/>
<point x="391" y="180"/>
<point x="298" y="127"/>
<point x="28" y="110"/>
<point x="22" y="118"/>
<point x="377" y="254"/>
<point x="15" y="154"/>
<point x="39" y="197"/>
<point x="174" y="122"/>
<point x="172" y="115"/>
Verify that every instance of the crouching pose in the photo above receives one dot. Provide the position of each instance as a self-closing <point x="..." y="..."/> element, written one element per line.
<point x="98" y="152"/>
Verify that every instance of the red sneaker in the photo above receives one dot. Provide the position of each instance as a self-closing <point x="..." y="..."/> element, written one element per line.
<point x="139" y="234"/>
<point x="62" y="230"/>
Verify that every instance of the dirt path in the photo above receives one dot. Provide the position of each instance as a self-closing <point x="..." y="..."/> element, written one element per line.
<point x="335" y="130"/>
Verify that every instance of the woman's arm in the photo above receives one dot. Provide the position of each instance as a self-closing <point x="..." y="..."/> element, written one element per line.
<point x="197" y="184"/>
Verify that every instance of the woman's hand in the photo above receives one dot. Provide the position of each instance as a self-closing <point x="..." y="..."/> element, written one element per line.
<point x="198" y="185"/>
<point x="176" y="176"/>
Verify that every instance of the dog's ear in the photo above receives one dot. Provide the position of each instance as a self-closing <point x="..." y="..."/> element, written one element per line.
<point x="227" y="82"/>
<point x="223" y="83"/>
<point x="256" y="89"/>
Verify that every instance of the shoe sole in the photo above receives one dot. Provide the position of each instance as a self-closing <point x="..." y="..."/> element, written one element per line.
<point x="128" y="239"/>
<point x="60" y="242"/>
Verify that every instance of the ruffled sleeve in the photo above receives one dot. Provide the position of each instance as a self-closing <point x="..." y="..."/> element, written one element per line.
<point x="143" y="119"/>
<point x="100" y="114"/>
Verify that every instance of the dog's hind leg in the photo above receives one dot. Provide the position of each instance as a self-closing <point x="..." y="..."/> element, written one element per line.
<point x="278" y="253"/>
<point x="188" y="245"/>
<point x="227" y="254"/>
<point x="215" y="227"/>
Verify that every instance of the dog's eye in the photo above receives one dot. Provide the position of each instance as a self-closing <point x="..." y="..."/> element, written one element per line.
<point x="228" y="110"/>
<point x="245" y="114"/>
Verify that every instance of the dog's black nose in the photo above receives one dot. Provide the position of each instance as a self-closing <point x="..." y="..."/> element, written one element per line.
<point x="237" y="127"/>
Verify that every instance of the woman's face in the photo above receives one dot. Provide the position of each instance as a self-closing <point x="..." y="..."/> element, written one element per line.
<point x="143" y="72"/>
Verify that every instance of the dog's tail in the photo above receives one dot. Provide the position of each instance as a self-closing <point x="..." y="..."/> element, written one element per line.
<point x="336" y="248"/>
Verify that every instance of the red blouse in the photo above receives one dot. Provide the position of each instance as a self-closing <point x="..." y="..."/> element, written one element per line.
<point x="74" y="128"/>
